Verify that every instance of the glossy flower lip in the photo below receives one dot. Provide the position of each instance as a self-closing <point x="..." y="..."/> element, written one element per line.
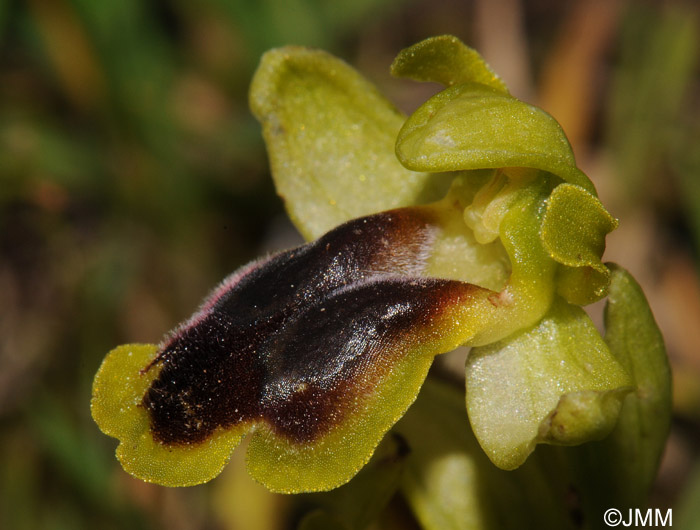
<point x="318" y="350"/>
<point x="283" y="342"/>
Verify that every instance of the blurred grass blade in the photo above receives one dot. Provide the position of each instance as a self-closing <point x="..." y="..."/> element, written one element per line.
<point x="688" y="514"/>
<point x="651" y="89"/>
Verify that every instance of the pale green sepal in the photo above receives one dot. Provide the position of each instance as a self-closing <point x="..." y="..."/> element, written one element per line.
<point x="474" y="126"/>
<point x="534" y="387"/>
<point x="447" y="60"/>
<point x="635" y="339"/>
<point x="622" y="467"/>
<point x="573" y="232"/>
<point x="330" y="138"/>
<point x="451" y="485"/>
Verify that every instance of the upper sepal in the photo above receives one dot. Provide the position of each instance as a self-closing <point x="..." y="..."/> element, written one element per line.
<point x="476" y="126"/>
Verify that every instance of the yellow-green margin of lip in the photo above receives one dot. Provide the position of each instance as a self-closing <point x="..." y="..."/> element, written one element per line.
<point x="117" y="391"/>
<point x="285" y="467"/>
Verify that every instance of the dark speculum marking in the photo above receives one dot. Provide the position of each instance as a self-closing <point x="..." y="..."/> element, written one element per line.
<point x="297" y="339"/>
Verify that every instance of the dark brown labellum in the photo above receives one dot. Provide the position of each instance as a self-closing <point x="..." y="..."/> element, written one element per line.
<point x="297" y="339"/>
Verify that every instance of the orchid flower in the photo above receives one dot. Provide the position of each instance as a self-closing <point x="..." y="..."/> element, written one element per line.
<point x="466" y="224"/>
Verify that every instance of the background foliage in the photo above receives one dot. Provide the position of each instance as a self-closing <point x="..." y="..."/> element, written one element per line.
<point x="133" y="178"/>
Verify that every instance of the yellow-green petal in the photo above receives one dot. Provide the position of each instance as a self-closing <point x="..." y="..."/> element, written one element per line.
<point x="330" y="138"/>
<point x="574" y="227"/>
<point x="445" y="59"/>
<point x="556" y="382"/>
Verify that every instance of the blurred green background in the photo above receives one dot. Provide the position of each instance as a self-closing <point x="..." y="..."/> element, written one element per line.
<point x="133" y="178"/>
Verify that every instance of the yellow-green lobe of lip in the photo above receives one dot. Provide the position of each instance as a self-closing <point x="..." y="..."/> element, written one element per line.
<point x="117" y="392"/>
<point x="283" y="464"/>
